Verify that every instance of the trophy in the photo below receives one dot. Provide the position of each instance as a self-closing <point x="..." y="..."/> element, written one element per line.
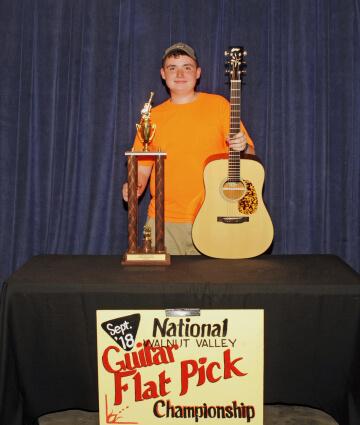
<point x="146" y="254"/>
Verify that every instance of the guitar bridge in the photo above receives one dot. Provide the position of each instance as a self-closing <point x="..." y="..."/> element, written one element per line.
<point x="232" y="220"/>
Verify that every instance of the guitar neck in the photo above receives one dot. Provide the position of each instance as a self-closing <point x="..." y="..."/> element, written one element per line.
<point x="235" y="117"/>
<point x="235" y="106"/>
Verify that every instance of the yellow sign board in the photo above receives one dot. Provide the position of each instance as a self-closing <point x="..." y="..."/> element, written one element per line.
<point x="180" y="367"/>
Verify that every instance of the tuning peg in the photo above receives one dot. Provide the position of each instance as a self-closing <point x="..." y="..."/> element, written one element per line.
<point x="226" y="53"/>
<point x="245" y="53"/>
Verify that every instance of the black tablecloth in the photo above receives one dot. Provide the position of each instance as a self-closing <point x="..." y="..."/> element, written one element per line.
<point x="48" y="329"/>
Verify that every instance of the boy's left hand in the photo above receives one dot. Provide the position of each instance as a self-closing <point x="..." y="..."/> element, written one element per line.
<point x="237" y="142"/>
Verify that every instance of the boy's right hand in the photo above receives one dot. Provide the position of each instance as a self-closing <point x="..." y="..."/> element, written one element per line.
<point x="125" y="191"/>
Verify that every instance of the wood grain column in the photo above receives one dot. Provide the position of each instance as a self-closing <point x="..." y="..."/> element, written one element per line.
<point x="132" y="204"/>
<point x="159" y="204"/>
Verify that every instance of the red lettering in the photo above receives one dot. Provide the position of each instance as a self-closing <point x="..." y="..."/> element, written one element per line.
<point x="163" y="380"/>
<point x="150" y="389"/>
<point x="209" y="372"/>
<point x="229" y="366"/>
<point x="119" y="387"/>
<point x="188" y="369"/>
<point x="149" y="392"/>
<point x="206" y="373"/>
<point x="105" y="358"/>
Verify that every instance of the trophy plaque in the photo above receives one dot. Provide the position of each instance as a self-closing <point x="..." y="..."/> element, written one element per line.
<point x="145" y="253"/>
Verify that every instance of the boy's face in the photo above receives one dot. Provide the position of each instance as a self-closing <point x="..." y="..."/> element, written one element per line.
<point x="180" y="74"/>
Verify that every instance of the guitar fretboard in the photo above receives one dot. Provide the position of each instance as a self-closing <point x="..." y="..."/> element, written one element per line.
<point x="235" y="117"/>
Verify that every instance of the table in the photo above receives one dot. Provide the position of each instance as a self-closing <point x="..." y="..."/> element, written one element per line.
<point x="48" y="331"/>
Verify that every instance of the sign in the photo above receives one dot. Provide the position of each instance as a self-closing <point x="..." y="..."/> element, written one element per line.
<point x="158" y="368"/>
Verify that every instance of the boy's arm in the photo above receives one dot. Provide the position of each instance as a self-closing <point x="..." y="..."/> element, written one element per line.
<point x="144" y="172"/>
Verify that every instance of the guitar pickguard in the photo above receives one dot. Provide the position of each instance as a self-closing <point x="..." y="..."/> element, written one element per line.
<point x="248" y="204"/>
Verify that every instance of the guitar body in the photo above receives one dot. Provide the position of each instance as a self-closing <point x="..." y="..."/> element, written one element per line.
<point x="233" y="221"/>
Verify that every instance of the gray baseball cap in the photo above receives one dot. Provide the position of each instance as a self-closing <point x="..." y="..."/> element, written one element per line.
<point x="183" y="47"/>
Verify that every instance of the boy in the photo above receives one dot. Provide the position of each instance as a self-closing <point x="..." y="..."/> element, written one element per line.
<point x="190" y="127"/>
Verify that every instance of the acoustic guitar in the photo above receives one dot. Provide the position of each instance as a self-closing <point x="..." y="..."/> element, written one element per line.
<point x="233" y="221"/>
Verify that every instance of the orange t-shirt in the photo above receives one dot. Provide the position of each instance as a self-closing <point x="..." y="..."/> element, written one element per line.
<point x="189" y="133"/>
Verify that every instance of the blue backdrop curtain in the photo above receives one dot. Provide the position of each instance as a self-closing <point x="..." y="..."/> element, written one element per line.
<point x="75" y="74"/>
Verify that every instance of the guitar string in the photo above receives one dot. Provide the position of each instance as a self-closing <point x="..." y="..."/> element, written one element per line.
<point x="234" y="156"/>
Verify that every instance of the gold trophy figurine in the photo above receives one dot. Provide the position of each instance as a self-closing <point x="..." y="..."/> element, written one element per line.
<point x="147" y="239"/>
<point x="145" y="129"/>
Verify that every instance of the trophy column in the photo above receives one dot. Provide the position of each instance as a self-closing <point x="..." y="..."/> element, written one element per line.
<point x="132" y="205"/>
<point x="137" y="255"/>
<point x="159" y="204"/>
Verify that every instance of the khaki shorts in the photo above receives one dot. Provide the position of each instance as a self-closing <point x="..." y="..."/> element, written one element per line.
<point x="178" y="240"/>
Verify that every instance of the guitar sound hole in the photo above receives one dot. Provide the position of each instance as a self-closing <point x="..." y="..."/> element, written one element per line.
<point x="234" y="190"/>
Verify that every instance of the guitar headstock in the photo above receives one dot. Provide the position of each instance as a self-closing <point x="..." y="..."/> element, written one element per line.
<point x="235" y="62"/>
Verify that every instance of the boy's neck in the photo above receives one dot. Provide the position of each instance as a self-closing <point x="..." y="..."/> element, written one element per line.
<point x="183" y="98"/>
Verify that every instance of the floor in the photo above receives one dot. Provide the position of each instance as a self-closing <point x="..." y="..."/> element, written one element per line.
<point x="273" y="415"/>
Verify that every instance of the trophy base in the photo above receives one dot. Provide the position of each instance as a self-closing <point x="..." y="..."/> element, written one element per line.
<point x="146" y="259"/>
